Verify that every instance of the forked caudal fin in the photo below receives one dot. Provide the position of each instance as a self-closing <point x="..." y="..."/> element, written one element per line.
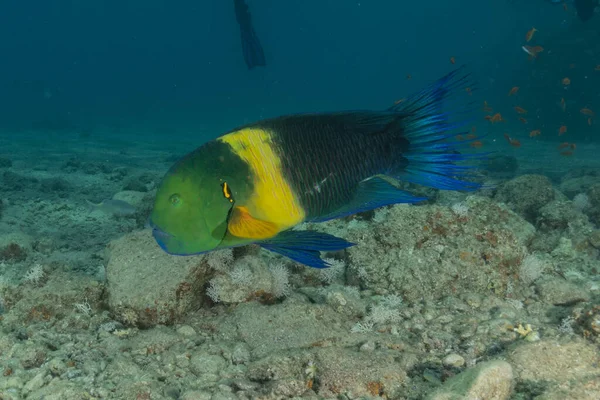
<point x="434" y="159"/>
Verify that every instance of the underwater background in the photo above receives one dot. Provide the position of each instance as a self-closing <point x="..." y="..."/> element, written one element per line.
<point x="485" y="295"/>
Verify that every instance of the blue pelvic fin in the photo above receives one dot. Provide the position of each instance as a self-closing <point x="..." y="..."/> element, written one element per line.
<point x="305" y="246"/>
<point x="372" y="193"/>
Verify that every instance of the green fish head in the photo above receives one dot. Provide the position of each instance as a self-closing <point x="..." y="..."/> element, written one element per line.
<point x="190" y="211"/>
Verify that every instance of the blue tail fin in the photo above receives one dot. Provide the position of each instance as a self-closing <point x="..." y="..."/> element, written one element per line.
<point x="433" y="155"/>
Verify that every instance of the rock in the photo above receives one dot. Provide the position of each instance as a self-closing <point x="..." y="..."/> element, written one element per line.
<point x="399" y="253"/>
<point x="557" y="215"/>
<point x="34" y="383"/>
<point x="594" y="239"/>
<point x="147" y="286"/>
<point x="453" y="360"/>
<point x="526" y="194"/>
<point x="240" y="354"/>
<point x="260" y="326"/>
<point x="555" y="362"/>
<point x="491" y="380"/>
<point x="573" y="186"/>
<point x="594" y="199"/>
<point x="15" y="247"/>
<point x="132" y="197"/>
<point x="202" y="364"/>
<point x="558" y="291"/>
<point x="196" y="395"/>
<point x="186" y="330"/>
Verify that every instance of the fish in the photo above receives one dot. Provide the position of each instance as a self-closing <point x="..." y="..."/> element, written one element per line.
<point x="255" y="183"/>
<point x="253" y="52"/>
<point x="486" y="107"/>
<point x="452" y="60"/>
<point x="532" y="51"/>
<point x="563" y="104"/>
<point x="511" y="141"/>
<point x="530" y="34"/>
<point x="514" y="90"/>
<point x="587" y="111"/>
<point x="495" y="118"/>
<point x="120" y="208"/>
<point x="597" y="67"/>
<point x="523" y="120"/>
<point x="566" y="81"/>
<point x="535" y="132"/>
<point x="562" y="130"/>
<point x="520" y="110"/>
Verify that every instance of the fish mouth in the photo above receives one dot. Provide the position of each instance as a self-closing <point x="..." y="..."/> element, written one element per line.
<point x="160" y="236"/>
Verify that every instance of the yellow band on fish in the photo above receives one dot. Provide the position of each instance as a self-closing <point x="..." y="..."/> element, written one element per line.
<point x="273" y="199"/>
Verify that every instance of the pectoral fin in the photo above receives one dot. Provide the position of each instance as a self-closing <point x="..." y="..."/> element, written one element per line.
<point x="243" y="225"/>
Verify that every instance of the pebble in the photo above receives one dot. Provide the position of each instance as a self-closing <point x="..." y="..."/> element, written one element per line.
<point x="453" y="360"/>
<point x="186" y="330"/>
<point x="368" y="346"/>
<point x="491" y="380"/>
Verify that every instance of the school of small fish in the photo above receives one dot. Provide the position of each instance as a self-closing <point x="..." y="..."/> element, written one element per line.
<point x="565" y="148"/>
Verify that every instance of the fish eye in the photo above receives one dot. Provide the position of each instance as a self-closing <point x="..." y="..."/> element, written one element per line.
<point x="175" y="199"/>
<point x="227" y="192"/>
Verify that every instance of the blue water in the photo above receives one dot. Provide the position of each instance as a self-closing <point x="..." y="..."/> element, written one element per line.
<point x="152" y="69"/>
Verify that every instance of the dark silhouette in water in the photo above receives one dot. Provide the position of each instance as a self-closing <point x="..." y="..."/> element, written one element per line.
<point x="585" y="8"/>
<point x="253" y="51"/>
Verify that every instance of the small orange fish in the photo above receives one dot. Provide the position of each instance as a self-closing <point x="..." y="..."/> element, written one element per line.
<point x="460" y="138"/>
<point x="408" y="77"/>
<point x="537" y="49"/>
<point x="530" y="34"/>
<point x="597" y="68"/>
<point x="511" y="141"/>
<point x="563" y="145"/>
<point x="452" y="60"/>
<point x="473" y="129"/>
<point x="488" y="117"/>
<point x="566" y="81"/>
<point x="471" y="136"/>
<point x="563" y="104"/>
<point x="468" y="90"/>
<point x="590" y="121"/>
<point x="587" y="111"/>
<point x="573" y="146"/>
<point x="514" y="90"/>
<point x="476" y="144"/>
<point x="496" y="118"/>
<point x="523" y="120"/>
<point x="565" y="7"/>
<point x="562" y="130"/>
<point x="572" y="66"/>
<point x="520" y="110"/>
<point x="399" y="101"/>
<point x="535" y="133"/>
